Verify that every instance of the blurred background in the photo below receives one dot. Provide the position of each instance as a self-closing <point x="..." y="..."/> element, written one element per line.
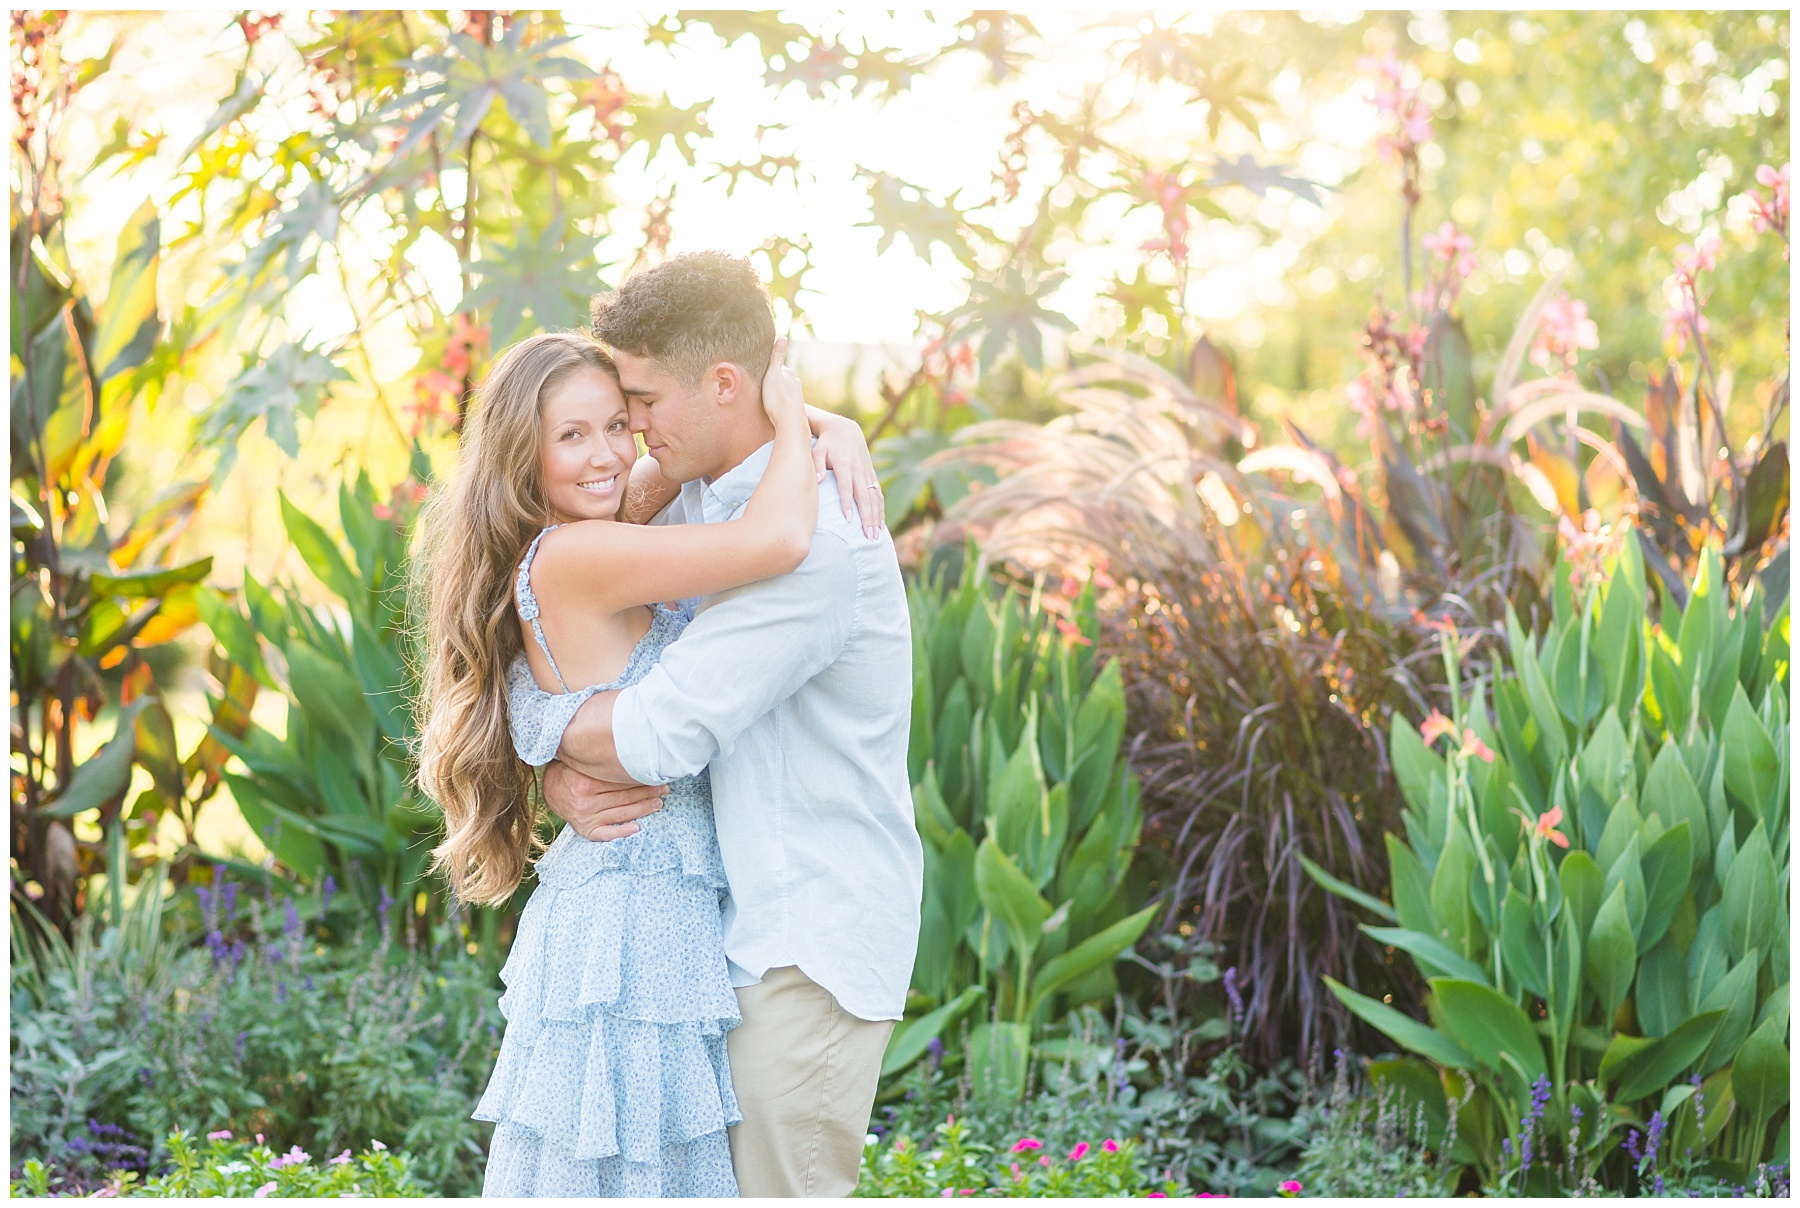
<point x="1232" y="376"/>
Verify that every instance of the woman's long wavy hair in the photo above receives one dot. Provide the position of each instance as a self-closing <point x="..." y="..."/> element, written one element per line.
<point x="475" y="530"/>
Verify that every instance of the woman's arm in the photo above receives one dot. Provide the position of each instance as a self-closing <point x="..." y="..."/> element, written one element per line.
<point x="618" y="565"/>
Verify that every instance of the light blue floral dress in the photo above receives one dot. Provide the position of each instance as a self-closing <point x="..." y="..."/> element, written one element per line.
<point x="612" y="1078"/>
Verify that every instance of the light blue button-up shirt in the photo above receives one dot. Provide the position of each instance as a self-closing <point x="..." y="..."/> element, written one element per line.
<point x="797" y="693"/>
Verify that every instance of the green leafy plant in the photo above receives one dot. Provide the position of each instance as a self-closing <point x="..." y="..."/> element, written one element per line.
<point x="222" y="1166"/>
<point x="1028" y="812"/>
<point x="290" y="1019"/>
<point x="333" y="795"/>
<point x="1593" y="879"/>
<point x="951" y="1165"/>
<point x="90" y="589"/>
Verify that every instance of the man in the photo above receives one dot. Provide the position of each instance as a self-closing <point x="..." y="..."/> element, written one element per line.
<point x="796" y="692"/>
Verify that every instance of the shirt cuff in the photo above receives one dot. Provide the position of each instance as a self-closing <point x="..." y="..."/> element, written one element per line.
<point x="634" y="742"/>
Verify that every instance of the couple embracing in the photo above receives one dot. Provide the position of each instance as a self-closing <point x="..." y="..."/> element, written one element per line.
<point x="700" y="659"/>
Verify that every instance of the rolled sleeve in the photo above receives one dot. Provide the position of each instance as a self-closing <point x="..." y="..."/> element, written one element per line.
<point x="747" y="650"/>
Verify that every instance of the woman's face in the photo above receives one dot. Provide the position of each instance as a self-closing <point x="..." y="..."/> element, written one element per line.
<point x="586" y="447"/>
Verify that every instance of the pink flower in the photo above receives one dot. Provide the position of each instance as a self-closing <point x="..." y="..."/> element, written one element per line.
<point x="1157" y="1195"/>
<point x="1044" y="1161"/>
<point x="259" y="1139"/>
<point x="1701" y="257"/>
<point x="1109" y="1146"/>
<point x="1472" y="745"/>
<point x="1545" y="826"/>
<point x="292" y="1157"/>
<point x="262" y="1193"/>
<point x="1448" y="243"/>
<point x="377" y="1145"/>
<point x="1079" y="1152"/>
<point x="1024" y="1144"/>
<point x="1435" y="727"/>
<point x="1290" y="1187"/>
<point x="946" y="1193"/>
<point x="1684" y="317"/>
<point x="224" y="1134"/>
<point x="1563" y="329"/>
<point x="1017" y="1175"/>
<point x="342" y="1159"/>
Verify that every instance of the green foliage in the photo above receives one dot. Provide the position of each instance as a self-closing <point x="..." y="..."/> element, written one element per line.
<point x="1595" y="875"/>
<point x="90" y="590"/>
<point x="1221" y="1127"/>
<point x="298" y="1028"/>
<point x="955" y="1166"/>
<point x="227" y="1167"/>
<point x="1379" y="1141"/>
<point x="1028" y="813"/>
<point x="334" y="794"/>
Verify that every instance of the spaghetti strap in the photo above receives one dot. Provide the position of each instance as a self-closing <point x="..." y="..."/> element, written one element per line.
<point x="528" y="606"/>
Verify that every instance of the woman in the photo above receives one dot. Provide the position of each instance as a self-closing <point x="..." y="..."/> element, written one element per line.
<point x="612" y="1078"/>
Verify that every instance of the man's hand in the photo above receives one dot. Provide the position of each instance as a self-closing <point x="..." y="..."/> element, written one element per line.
<point x="598" y="809"/>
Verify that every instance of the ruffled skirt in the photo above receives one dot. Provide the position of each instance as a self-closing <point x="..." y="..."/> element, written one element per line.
<point x="612" y="1078"/>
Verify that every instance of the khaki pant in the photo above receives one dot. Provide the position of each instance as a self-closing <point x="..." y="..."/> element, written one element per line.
<point x="805" y="1071"/>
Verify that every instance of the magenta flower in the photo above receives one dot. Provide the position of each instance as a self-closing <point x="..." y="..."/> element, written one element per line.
<point x="1290" y="1187"/>
<point x="1079" y="1152"/>
<point x="1448" y="243"/>
<point x="1157" y="1195"/>
<point x="1109" y="1146"/>
<point x="1024" y="1144"/>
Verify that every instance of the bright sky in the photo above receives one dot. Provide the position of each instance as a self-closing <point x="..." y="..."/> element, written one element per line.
<point x="943" y="134"/>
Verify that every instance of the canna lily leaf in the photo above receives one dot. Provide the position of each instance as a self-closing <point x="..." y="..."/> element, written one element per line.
<point x="1343" y="889"/>
<point x="1489" y="1025"/>
<point x="1402" y="1029"/>
<point x="1648" y="1070"/>
<point x="912" y="1037"/>
<point x="1752" y="768"/>
<point x="1431" y="953"/>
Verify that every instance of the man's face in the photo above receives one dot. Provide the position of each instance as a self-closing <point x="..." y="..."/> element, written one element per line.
<point x="681" y="424"/>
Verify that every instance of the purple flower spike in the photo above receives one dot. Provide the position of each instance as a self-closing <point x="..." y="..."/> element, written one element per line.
<point x="326" y="892"/>
<point x="229" y="890"/>
<point x="290" y="922"/>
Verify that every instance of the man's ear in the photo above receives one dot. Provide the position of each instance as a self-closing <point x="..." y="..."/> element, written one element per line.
<point x="729" y="382"/>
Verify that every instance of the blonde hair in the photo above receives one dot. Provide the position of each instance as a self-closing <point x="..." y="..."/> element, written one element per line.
<point x="476" y="528"/>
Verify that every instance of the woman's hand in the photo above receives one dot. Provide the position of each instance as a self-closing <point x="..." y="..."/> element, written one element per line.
<point x="782" y="398"/>
<point x="842" y="449"/>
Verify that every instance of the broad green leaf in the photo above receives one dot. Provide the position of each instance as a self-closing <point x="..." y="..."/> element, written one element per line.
<point x="1344" y="889"/>
<point x="1662" y="994"/>
<point x="1551" y="737"/>
<point x="127" y="325"/>
<point x="912" y="1037"/>
<point x="1735" y="995"/>
<point x="1403" y="1030"/>
<point x="1010" y="896"/>
<point x="1647" y="1071"/>
<point x="999" y="1056"/>
<point x="1759" y="1076"/>
<point x="1434" y="957"/>
<point x="1488" y="1024"/>
<point x="1523" y="944"/>
<point x="106" y="774"/>
<point x="1619" y="641"/>
<point x="320" y="553"/>
<point x="1670" y="794"/>
<point x="1452" y="889"/>
<point x="148" y="585"/>
<point x="1667" y="868"/>
<point x="1707" y="959"/>
<point x="328" y="695"/>
<point x="1749" y="899"/>
<point x="1414" y="764"/>
<point x="1611" y="952"/>
<point x="1752" y="769"/>
<point x="1412" y="888"/>
<point x="293" y="838"/>
<point x="1580" y="680"/>
<point x="1584" y="885"/>
<point x="1605" y="759"/>
<point x="1092" y="953"/>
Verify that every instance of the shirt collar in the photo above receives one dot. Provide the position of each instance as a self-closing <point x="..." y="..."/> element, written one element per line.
<point x="732" y="489"/>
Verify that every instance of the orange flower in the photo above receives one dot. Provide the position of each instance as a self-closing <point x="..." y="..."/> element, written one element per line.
<point x="1435" y="727"/>
<point x="1545" y="827"/>
<point x="1472" y="745"/>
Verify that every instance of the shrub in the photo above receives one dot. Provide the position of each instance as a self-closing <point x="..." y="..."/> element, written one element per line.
<point x="1594" y="883"/>
<point x="1028" y="813"/>
<point x="1226" y="1130"/>
<point x="264" y="1028"/>
<point x="227" y="1167"/>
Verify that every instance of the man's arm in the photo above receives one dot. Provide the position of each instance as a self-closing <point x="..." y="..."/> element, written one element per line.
<point x="748" y="650"/>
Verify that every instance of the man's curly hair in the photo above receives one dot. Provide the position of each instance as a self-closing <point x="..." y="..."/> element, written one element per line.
<point x="689" y="313"/>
